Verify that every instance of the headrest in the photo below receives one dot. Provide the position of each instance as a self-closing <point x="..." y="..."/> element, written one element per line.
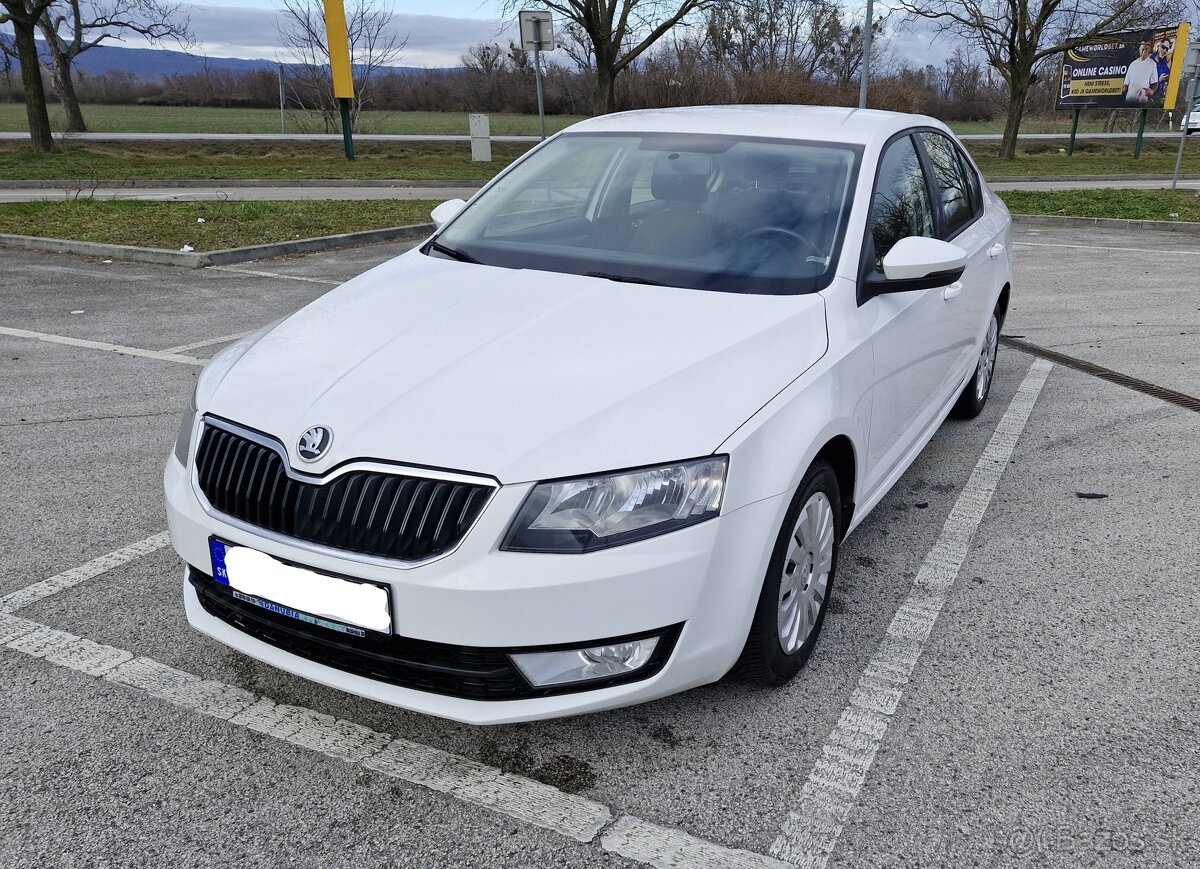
<point x="681" y="177"/>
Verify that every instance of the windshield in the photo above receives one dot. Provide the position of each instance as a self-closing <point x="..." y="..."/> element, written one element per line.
<point x="706" y="212"/>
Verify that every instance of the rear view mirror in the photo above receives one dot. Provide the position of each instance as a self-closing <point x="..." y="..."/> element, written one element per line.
<point x="918" y="263"/>
<point x="446" y="212"/>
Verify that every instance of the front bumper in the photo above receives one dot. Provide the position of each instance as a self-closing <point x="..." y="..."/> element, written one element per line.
<point x="705" y="577"/>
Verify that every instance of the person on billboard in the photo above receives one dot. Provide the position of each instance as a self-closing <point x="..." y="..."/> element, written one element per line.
<point x="1162" y="56"/>
<point x="1141" y="78"/>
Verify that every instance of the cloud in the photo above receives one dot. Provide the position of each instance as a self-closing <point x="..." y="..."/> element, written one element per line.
<point x="433" y="40"/>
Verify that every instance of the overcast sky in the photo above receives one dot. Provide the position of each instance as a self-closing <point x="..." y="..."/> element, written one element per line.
<point x="246" y="28"/>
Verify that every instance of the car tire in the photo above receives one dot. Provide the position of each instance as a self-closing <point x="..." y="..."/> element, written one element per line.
<point x="975" y="393"/>
<point x="796" y="590"/>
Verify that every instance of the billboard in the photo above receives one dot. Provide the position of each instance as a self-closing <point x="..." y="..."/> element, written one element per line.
<point x="1138" y="69"/>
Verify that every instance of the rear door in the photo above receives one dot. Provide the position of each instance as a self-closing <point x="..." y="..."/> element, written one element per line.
<point x="960" y="216"/>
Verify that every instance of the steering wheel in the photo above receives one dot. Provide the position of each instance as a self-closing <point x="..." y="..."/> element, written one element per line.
<point x="786" y="239"/>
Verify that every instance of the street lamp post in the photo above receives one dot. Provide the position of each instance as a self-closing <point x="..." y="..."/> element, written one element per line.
<point x="868" y="27"/>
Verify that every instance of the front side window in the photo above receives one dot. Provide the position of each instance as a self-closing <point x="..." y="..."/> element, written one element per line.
<point x="951" y="189"/>
<point x="900" y="207"/>
<point x="722" y="213"/>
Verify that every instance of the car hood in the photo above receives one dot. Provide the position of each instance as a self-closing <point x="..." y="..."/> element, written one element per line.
<point x="520" y="375"/>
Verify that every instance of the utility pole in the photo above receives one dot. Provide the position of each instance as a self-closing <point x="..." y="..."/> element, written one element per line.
<point x="868" y="32"/>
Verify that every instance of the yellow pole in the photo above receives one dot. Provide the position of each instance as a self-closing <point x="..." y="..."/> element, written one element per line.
<point x="339" y="67"/>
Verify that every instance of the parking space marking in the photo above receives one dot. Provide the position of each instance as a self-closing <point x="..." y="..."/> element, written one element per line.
<point x="1171" y="251"/>
<point x="812" y="830"/>
<point x="261" y="274"/>
<point x="102" y="345"/>
<point x="39" y="590"/>
<point x="667" y="848"/>
<point x="196" y="345"/>
<point x="468" y="780"/>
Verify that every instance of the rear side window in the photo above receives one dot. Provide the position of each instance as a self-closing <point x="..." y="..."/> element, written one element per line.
<point x="951" y="189"/>
<point x="900" y="207"/>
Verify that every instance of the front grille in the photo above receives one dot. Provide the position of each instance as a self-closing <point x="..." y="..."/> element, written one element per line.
<point x="387" y="515"/>
<point x="439" y="668"/>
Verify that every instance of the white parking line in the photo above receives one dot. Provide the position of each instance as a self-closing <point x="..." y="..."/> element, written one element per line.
<point x="515" y="796"/>
<point x="672" y="849"/>
<point x="33" y="593"/>
<point x="812" y="830"/>
<point x="262" y="274"/>
<point x="196" y="345"/>
<point x="1171" y="251"/>
<point x="162" y="355"/>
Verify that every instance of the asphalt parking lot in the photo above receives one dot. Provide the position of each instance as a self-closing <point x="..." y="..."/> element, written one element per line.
<point x="1043" y="713"/>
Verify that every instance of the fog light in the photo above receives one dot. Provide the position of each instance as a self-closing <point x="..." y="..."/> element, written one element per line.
<point x="583" y="665"/>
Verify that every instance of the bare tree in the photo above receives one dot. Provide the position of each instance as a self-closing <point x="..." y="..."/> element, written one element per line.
<point x="23" y="15"/>
<point x="71" y="27"/>
<point x="1015" y="35"/>
<point x="374" y="45"/>
<point x="617" y="33"/>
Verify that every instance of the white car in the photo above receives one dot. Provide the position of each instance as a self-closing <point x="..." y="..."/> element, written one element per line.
<point x="1191" y="121"/>
<point x="600" y="438"/>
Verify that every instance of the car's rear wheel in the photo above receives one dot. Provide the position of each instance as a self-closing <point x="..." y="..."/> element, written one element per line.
<point x="795" y="592"/>
<point x="975" y="393"/>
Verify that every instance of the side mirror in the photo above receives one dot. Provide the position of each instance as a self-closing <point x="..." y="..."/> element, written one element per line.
<point x="918" y="263"/>
<point x="446" y="212"/>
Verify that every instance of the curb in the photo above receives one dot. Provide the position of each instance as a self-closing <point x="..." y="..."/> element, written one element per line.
<point x="1106" y="222"/>
<point x="200" y="260"/>
<point x="134" y="184"/>
<point x="1020" y="179"/>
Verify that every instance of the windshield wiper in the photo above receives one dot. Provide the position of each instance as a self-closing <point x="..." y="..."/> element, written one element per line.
<point x="452" y="252"/>
<point x="624" y="279"/>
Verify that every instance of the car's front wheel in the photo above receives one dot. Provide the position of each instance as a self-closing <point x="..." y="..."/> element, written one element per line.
<point x="975" y="394"/>
<point x="795" y="592"/>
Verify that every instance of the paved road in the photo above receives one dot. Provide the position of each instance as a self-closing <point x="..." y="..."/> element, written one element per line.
<point x="236" y="193"/>
<point x="217" y="191"/>
<point x="387" y="137"/>
<point x="1050" y="721"/>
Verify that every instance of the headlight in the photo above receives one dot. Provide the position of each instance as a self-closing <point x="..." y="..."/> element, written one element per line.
<point x="183" y="438"/>
<point x="597" y="512"/>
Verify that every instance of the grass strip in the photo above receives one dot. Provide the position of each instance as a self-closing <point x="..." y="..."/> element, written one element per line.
<point x="220" y="161"/>
<point x="1167" y="205"/>
<point x="205" y="225"/>
<point x="184" y="119"/>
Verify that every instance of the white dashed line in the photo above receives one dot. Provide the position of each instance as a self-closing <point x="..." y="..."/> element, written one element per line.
<point x="33" y="593"/>
<point x="196" y="345"/>
<point x="161" y="355"/>
<point x="262" y="274"/>
<point x="813" y="828"/>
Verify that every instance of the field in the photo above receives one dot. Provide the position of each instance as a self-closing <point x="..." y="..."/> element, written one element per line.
<point x="84" y="162"/>
<point x="224" y="224"/>
<point x="180" y="119"/>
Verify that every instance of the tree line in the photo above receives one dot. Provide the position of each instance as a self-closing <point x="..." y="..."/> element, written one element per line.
<point x="617" y="54"/>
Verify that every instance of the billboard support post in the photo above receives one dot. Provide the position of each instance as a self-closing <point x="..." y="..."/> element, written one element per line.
<point x="1074" y="130"/>
<point x="1137" y="145"/>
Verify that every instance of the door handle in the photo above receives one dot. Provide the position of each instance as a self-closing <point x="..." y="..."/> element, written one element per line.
<point x="951" y="291"/>
<point x="996" y="250"/>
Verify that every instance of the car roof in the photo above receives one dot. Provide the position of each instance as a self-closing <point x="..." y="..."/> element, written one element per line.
<point x="811" y="123"/>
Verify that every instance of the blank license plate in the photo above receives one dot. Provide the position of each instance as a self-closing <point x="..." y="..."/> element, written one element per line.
<point x="343" y="605"/>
